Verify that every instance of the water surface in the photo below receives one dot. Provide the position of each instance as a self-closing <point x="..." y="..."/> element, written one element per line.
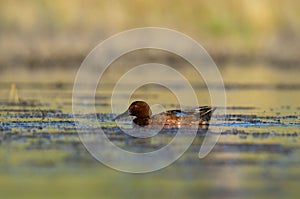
<point x="257" y="154"/>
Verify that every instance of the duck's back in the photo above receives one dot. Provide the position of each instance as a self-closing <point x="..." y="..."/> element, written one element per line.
<point x="178" y="118"/>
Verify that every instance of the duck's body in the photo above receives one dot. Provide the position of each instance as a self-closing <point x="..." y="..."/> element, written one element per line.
<point x="168" y="119"/>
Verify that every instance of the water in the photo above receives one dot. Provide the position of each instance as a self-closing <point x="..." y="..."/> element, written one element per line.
<point x="256" y="156"/>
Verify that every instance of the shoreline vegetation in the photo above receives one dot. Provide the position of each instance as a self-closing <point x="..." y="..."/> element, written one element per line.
<point x="73" y="60"/>
<point x="55" y="33"/>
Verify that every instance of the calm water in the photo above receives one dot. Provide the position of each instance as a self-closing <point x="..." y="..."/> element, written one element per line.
<point x="257" y="155"/>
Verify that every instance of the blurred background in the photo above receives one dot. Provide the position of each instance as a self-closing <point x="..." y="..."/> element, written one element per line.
<point x="254" y="43"/>
<point x="61" y="33"/>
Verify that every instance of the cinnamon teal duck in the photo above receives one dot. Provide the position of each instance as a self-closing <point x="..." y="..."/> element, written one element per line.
<point x="169" y="119"/>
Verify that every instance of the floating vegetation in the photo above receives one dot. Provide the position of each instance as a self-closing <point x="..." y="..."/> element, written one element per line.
<point x="259" y="142"/>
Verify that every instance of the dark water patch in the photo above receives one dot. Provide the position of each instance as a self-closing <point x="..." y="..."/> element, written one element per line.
<point x="40" y="125"/>
<point x="253" y="148"/>
<point x="245" y="134"/>
<point x="240" y="117"/>
<point x="81" y="157"/>
<point x="38" y="164"/>
<point x="243" y="120"/>
<point x="31" y="135"/>
<point x="140" y="146"/>
<point x="228" y="162"/>
<point x="269" y="134"/>
<point x="57" y="144"/>
<point x="251" y="117"/>
<point x="234" y="131"/>
<point x="245" y="162"/>
<point x="260" y="124"/>
<point x="39" y="115"/>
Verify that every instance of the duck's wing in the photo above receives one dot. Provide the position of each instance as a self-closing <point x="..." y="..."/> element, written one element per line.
<point x="177" y="113"/>
<point x="203" y="112"/>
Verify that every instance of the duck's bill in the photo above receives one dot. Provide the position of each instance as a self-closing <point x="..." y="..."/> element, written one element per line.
<point x="125" y="114"/>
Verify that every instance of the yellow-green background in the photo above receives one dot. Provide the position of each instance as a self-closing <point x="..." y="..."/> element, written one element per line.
<point x="253" y="42"/>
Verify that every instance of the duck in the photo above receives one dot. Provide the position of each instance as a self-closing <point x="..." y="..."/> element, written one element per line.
<point x="199" y="116"/>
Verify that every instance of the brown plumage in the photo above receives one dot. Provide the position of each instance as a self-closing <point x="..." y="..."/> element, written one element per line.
<point x="169" y="119"/>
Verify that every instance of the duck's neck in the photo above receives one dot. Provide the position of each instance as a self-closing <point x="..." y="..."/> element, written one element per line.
<point x="142" y="121"/>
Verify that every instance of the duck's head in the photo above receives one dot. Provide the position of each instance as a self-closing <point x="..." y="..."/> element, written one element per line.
<point x="140" y="109"/>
